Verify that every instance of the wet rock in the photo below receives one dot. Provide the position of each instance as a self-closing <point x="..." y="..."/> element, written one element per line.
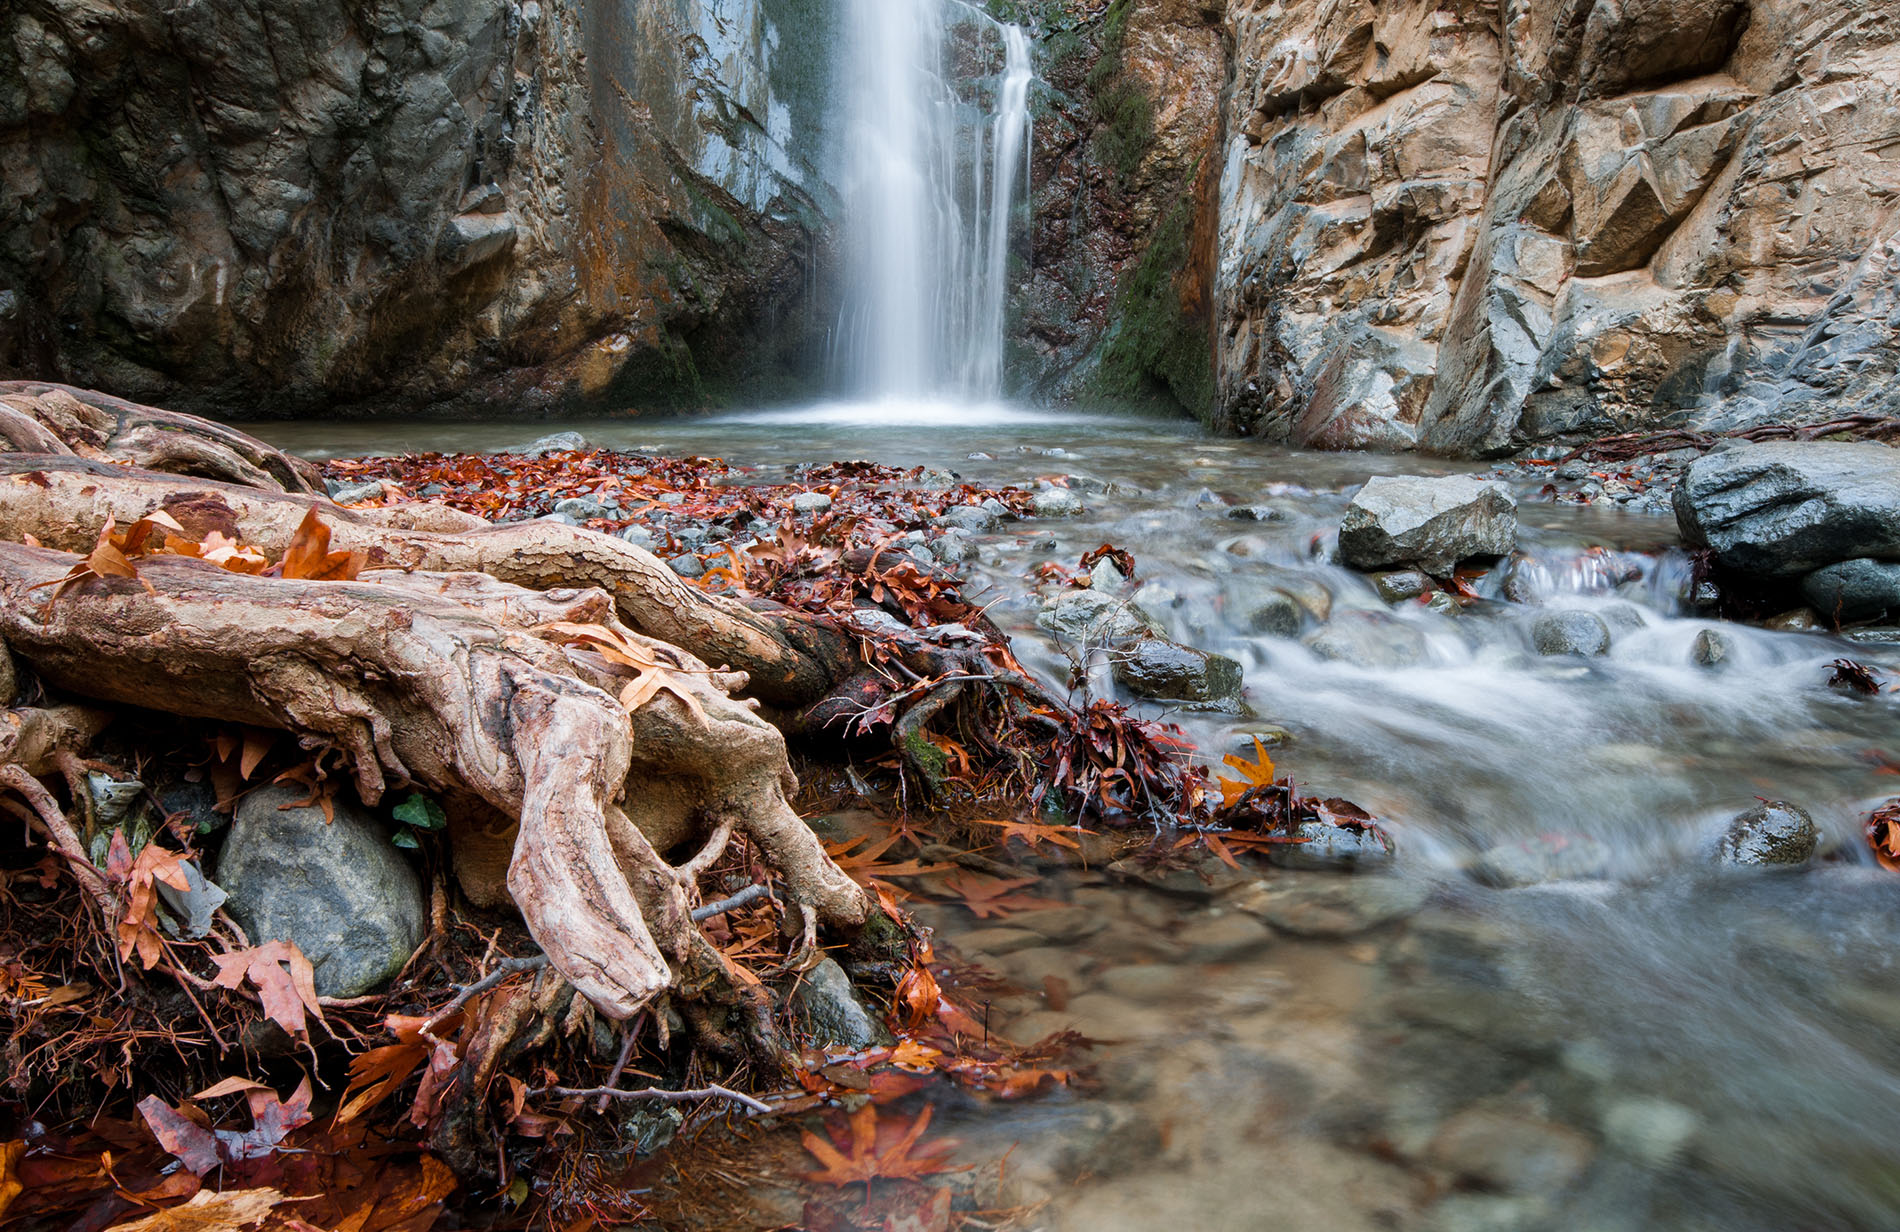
<point x="1369" y="639"/>
<point x="1223" y="937"/>
<point x="1652" y="1130"/>
<point x="558" y="442"/>
<point x="1772" y="833"/>
<point x="1152" y="983"/>
<point x="1854" y="589"/>
<point x="1001" y="939"/>
<point x="831" y="1011"/>
<point x="1332" y="848"/>
<point x="1541" y="858"/>
<point x="1157" y="668"/>
<point x="971" y="518"/>
<point x="810" y="502"/>
<point x="1400" y="585"/>
<point x="1570" y="633"/>
<point x="1332" y="907"/>
<point x="1255" y="607"/>
<point x="338" y="890"/>
<point x="1092" y="618"/>
<point x="1789" y="507"/>
<point x="1796" y="620"/>
<point x="1106" y="577"/>
<point x="1430" y="523"/>
<point x="1271" y="735"/>
<point x="953" y="548"/>
<point x="1711" y="648"/>
<point x="581" y="508"/>
<point x="1255" y="513"/>
<point x="356" y="493"/>
<point x="1057" y="503"/>
<point x="1511" y="1153"/>
<point x="1440" y="601"/>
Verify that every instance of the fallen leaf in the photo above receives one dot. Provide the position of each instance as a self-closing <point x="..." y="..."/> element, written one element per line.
<point x="1255" y="773"/>
<point x="309" y="558"/>
<point x="888" y="1150"/>
<point x="11" y="1186"/>
<point x="283" y="979"/>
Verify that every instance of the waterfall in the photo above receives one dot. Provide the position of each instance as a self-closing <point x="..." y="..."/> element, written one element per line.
<point x="936" y="161"/>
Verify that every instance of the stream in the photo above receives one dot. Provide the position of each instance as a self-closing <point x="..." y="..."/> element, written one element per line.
<point x="1645" y="1041"/>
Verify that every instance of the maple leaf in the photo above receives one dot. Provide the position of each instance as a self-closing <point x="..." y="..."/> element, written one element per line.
<point x="200" y="1149"/>
<point x="283" y="978"/>
<point x="651" y="676"/>
<point x="310" y="559"/>
<point x="1255" y="773"/>
<point x="988" y="897"/>
<point x="858" y="857"/>
<point x="1035" y="835"/>
<point x="138" y="925"/>
<point x="381" y="1072"/>
<point x="889" y="1150"/>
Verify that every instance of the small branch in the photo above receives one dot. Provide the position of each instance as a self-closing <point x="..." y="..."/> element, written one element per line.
<point x="463" y="992"/>
<point x="664" y="1096"/>
<point x="751" y="894"/>
<point x="620" y="1063"/>
<point x="689" y="872"/>
<point x="63" y="836"/>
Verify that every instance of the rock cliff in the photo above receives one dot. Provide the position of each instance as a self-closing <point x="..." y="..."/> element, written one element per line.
<point x="1472" y="225"/>
<point x="309" y="205"/>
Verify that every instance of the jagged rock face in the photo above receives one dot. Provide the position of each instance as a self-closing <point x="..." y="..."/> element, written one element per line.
<point x="1472" y="225"/>
<point x="307" y="204"/>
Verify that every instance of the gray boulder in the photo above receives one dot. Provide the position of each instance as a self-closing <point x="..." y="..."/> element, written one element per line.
<point x="1711" y="648"/>
<point x="1095" y="618"/>
<point x="581" y="508"/>
<point x="831" y="1011"/>
<point x="1789" y="507"/>
<point x="338" y="890"/>
<point x="1057" y="503"/>
<point x="1400" y="585"/>
<point x="1255" y="607"/>
<point x="1854" y="589"/>
<point x="1772" y="833"/>
<point x="1157" y="668"/>
<point x="974" y="519"/>
<point x="1370" y="639"/>
<point x="1430" y="523"/>
<point x="356" y="493"/>
<point x="811" y="502"/>
<point x="1570" y="633"/>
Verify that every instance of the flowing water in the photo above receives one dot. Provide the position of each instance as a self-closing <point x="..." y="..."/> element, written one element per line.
<point x="1653" y="1042"/>
<point x="938" y="98"/>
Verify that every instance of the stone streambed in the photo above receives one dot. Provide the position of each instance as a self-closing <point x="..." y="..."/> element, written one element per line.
<point x="1632" y="1035"/>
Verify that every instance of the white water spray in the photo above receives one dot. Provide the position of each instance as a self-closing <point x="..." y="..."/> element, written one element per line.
<point x="936" y="163"/>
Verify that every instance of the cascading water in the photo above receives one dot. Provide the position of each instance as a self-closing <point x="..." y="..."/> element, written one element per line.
<point x="936" y="162"/>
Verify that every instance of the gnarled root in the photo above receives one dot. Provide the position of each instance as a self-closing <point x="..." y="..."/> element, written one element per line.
<point x="416" y="682"/>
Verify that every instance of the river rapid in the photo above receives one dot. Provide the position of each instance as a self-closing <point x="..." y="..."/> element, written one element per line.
<point x="1648" y="1041"/>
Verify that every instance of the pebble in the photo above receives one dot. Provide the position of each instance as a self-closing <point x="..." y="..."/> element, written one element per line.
<point x="810" y="502"/>
<point x="1057" y="503"/>
<point x="1332" y="907"/>
<point x="1775" y="832"/>
<point x="1711" y="649"/>
<point x="1511" y="1153"/>
<point x="1334" y="848"/>
<point x="1650" y="1129"/>
<point x="687" y="565"/>
<point x="1228" y="935"/>
<point x="1570" y="633"/>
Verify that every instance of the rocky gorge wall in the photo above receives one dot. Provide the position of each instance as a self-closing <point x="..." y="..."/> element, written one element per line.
<point x="506" y="205"/>
<point x="1473" y="225"/>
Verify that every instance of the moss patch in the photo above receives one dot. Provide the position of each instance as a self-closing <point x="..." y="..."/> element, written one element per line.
<point x="1123" y="112"/>
<point x="1153" y="350"/>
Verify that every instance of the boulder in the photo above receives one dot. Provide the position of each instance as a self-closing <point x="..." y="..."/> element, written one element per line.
<point x="973" y="519"/>
<point x="1854" y="589"/>
<point x="1570" y="633"/>
<point x="1155" y="667"/>
<point x="1774" y="832"/>
<point x="337" y="889"/>
<point x="1430" y="523"/>
<point x="1094" y="618"/>
<point x="831" y="1012"/>
<point x="1400" y="585"/>
<point x="1253" y="606"/>
<point x="811" y="502"/>
<point x="1369" y="639"/>
<point x="558" y="442"/>
<point x="1791" y="507"/>
<point x="1057" y="503"/>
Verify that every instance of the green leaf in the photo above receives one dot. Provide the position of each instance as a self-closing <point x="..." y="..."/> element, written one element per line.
<point x="421" y="812"/>
<point x="405" y="838"/>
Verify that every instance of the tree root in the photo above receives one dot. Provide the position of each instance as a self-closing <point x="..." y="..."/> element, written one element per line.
<point x="415" y="682"/>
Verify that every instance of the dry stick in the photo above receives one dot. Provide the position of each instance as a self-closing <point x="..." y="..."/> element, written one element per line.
<point x="620" y="1063"/>
<point x="750" y="894"/>
<point x="64" y="837"/>
<point x="715" y="1091"/>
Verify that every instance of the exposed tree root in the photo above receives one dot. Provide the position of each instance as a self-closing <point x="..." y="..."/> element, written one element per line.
<point x="415" y="682"/>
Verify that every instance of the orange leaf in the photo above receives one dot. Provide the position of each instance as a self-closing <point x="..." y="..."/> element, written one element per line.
<point x="287" y="994"/>
<point x="309" y="558"/>
<point x="888" y="1150"/>
<point x="1255" y="773"/>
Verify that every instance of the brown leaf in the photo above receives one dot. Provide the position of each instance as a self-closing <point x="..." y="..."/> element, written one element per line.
<point x="1255" y="773"/>
<point x="877" y="1150"/>
<point x="287" y="994"/>
<point x="11" y="1186"/>
<point x="309" y="557"/>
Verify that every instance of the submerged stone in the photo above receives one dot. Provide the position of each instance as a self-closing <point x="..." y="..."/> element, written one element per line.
<point x="1333" y="848"/>
<point x="1541" y="858"/>
<point x="1570" y="633"/>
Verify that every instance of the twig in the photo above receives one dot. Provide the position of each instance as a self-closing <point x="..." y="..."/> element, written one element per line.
<point x="463" y="992"/>
<point x="715" y="1091"/>
<point x="64" y="838"/>
<point x="620" y="1063"/>
<point x="751" y="894"/>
